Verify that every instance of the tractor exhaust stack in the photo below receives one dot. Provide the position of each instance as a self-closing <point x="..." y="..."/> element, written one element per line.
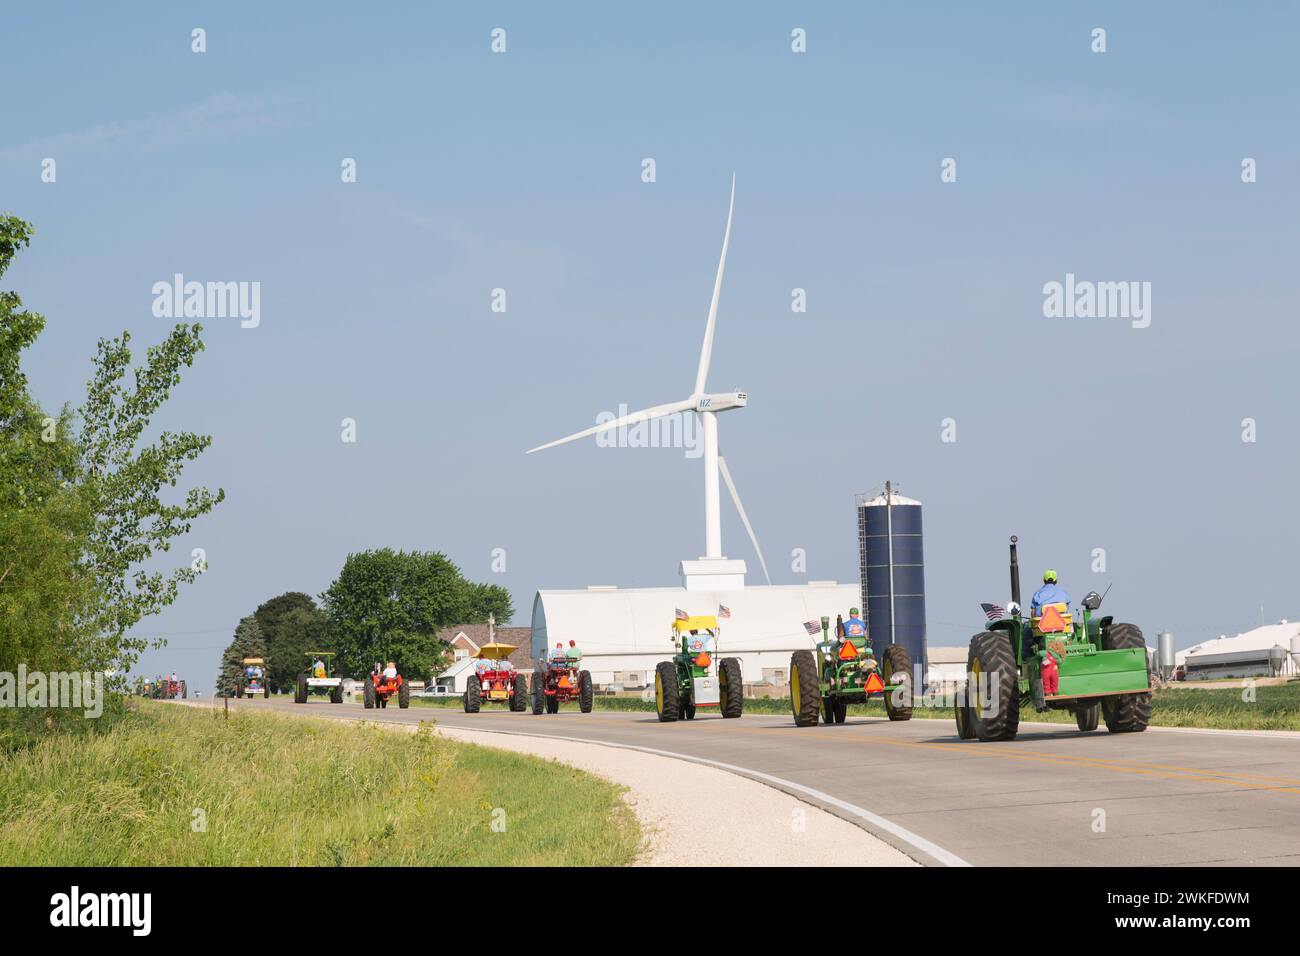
<point x="1015" y="572"/>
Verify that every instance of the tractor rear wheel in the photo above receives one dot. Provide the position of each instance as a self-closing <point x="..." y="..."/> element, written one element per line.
<point x="1086" y="717"/>
<point x="336" y="694"/>
<point x="731" y="687"/>
<point x="897" y="668"/>
<point x="995" y="704"/>
<point x="473" y="695"/>
<point x="668" y="703"/>
<point x="586" y="692"/>
<point x="841" y="710"/>
<point x="1126" y="713"/>
<point x="300" y="694"/>
<point x="368" y="694"/>
<point x="519" y="695"/>
<point x="538" y="687"/>
<point x="404" y="696"/>
<point x="805" y="691"/>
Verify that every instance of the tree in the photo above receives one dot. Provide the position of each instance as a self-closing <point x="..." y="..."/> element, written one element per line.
<point x="291" y="625"/>
<point x="80" y="507"/>
<point x="389" y="605"/>
<point x="247" y="642"/>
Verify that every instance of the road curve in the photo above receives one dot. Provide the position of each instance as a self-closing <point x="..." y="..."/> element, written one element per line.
<point x="1054" y="796"/>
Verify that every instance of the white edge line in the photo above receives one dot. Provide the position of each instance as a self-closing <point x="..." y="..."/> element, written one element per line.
<point x="915" y="840"/>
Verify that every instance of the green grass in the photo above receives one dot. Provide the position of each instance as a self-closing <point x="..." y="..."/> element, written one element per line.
<point x="280" y="790"/>
<point x="1274" y="708"/>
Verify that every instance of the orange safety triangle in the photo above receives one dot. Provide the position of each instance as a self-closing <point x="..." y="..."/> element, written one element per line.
<point x="703" y="660"/>
<point x="1051" y="621"/>
<point x="874" y="683"/>
<point x="848" y="651"/>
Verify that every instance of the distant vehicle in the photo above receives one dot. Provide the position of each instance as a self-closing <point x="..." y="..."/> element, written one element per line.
<point x="252" y="682"/>
<point x="319" y="678"/>
<point x="1180" y="672"/>
<point x="436" y="690"/>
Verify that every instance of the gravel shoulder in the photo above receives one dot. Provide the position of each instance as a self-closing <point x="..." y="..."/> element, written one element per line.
<point x="699" y="816"/>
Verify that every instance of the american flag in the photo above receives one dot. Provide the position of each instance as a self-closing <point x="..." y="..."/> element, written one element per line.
<point x="814" y="628"/>
<point x="682" y="615"/>
<point x="724" y="611"/>
<point x="994" y="612"/>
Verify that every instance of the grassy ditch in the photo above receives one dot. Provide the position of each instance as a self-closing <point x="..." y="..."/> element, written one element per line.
<point x="172" y="786"/>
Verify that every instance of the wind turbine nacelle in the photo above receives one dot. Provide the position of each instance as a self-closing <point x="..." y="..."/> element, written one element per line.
<point x="721" y="401"/>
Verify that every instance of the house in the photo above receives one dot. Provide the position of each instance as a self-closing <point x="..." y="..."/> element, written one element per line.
<point x="466" y="639"/>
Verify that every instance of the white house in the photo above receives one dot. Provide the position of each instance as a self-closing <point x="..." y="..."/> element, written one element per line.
<point x="466" y="639"/>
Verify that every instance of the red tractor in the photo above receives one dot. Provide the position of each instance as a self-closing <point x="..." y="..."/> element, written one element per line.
<point x="557" y="680"/>
<point x="379" y="688"/>
<point x="495" y="680"/>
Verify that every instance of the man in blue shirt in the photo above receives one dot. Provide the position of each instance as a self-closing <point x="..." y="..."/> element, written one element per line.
<point x="1049" y="593"/>
<point x="855" y="626"/>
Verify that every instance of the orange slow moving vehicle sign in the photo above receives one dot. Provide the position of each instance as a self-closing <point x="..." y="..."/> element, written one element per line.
<point x="874" y="683"/>
<point x="848" y="651"/>
<point x="1051" y="622"/>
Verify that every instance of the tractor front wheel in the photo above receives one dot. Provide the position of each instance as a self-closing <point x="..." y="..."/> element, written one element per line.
<point x="1126" y="713"/>
<point x="300" y="694"/>
<point x="668" y="704"/>
<point x="473" y="695"/>
<point x="368" y="694"/>
<point x="994" y="686"/>
<point x="1086" y="717"/>
<point x="404" y="695"/>
<point x="336" y="694"/>
<point x="841" y="710"/>
<point x="731" y="687"/>
<point x="538" y="687"/>
<point x="586" y="692"/>
<point x="553" y="705"/>
<point x="805" y="691"/>
<point x="897" y="669"/>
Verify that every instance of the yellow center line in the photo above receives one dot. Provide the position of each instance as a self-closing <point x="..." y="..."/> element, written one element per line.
<point x="1000" y="751"/>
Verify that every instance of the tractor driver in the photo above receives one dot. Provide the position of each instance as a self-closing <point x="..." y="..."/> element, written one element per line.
<point x="855" y="626"/>
<point x="1049" y="593"/>
<point x="390" y="672"/>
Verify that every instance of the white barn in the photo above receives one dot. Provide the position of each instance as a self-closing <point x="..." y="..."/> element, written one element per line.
<point x="624" y="632"/>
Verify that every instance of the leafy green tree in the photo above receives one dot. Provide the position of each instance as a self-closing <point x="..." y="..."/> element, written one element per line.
<point x="292" y="625"/>
<point x="247" y="642"/>
<point x="389" y="605"/>
<point x="80" y="507"/>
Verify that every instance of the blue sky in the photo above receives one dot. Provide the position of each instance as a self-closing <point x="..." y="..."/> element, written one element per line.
<point x="522" y="171"/>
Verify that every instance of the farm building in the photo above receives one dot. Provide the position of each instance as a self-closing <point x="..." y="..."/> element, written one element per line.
<point x="465" y="640"/>
<point x="1268" y="651"/>
<point x="624" y="632"/>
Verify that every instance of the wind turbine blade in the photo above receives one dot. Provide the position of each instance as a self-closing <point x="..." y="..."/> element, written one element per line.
<point x="744" y="518"/>
<point x="706" y="353"/>
<point x="632" y="418"/>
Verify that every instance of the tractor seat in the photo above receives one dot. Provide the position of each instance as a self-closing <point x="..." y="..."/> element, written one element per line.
<point x="1054" y="619"/>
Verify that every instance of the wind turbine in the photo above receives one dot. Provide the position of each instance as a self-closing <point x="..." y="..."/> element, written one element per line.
<point x="707" y="406"/>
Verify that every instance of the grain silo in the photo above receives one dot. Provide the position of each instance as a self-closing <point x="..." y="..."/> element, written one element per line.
<point x="892" y="570"/>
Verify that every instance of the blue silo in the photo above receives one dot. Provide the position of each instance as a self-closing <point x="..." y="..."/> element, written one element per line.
<point x="892" y="567"/>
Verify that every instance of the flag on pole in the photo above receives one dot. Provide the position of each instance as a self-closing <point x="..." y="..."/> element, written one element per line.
<point x="724" y="611"/>
<point x="814" y="628"/>
<point x="994" y="612"/>
<point x="682" y="615"/>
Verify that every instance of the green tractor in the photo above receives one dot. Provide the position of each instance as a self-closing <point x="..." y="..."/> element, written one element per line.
<point x="843" y="670"/>
<point x="319" y="678"/>
<point x="696" y="678"/>
<point x="1099" y="669"/>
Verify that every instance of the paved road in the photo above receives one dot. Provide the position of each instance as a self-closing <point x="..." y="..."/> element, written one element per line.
<point x="1053" y="796"/>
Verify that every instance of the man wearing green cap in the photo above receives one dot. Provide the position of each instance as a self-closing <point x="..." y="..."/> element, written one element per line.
<point x="855" y="626"/>
<point x="1049" y="593"/>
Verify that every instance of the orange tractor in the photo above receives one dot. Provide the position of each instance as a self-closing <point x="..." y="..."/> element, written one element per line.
<point x="495" y="680"/>
<point x="380" y="688"/>
<point x="557" y="679"/>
